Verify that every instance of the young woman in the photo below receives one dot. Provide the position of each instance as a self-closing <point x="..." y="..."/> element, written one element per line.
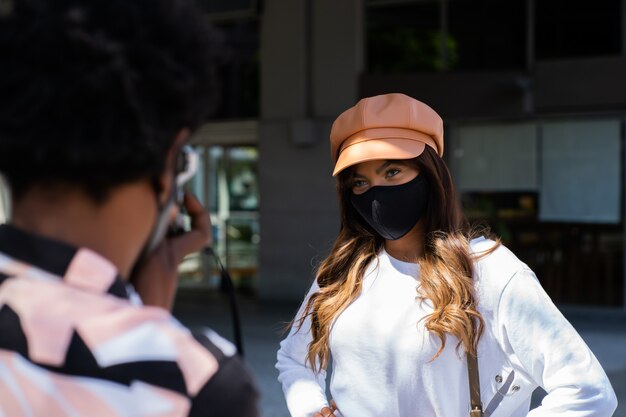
<point x="409" y="296"/>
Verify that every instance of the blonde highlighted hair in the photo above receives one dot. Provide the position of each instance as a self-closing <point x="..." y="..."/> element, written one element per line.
<point x="446" y="273"/>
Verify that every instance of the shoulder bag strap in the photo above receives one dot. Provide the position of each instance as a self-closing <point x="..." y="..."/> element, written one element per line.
<point x="230" y="288"/>
<point x="476" y="407"/>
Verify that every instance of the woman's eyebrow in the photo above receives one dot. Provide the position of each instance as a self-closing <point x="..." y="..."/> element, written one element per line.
<point x="383" y="166"/>
<point x="387" y="163"/>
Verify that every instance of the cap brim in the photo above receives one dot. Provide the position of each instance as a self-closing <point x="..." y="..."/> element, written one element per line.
<point x="379" y="148"/>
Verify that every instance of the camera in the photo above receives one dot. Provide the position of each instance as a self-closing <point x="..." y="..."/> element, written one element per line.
<point x="186" y="167"/>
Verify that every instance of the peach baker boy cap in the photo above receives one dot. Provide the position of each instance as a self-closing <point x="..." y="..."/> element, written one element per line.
<point x="389" y="126"/>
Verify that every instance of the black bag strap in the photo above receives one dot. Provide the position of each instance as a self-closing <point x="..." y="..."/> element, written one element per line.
<point x="230" y="288"/>
<point x="476" y="406"/>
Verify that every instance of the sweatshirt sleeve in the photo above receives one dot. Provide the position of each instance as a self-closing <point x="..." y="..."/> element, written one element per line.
<point x="305" y="391"/>
<point x="552" y="352"/>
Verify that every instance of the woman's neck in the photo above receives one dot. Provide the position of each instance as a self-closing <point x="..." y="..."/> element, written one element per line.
<point x="410" y="247"/>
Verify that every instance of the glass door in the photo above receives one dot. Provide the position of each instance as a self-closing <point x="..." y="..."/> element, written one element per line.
<point x="227" y="184"/>
<point x="4" y="201"/>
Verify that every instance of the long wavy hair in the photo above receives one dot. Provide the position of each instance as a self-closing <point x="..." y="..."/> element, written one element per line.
<point x="446" y="277"/>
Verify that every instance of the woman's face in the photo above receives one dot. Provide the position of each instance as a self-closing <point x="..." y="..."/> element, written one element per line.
<point x="381" y="172"/>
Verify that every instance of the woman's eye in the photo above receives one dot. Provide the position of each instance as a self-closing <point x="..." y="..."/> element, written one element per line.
<point x="359" y="183"/>
<point x="392" y="172"/>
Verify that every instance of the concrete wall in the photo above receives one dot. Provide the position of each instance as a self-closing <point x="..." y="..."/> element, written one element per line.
<point x="299" y="217"/>
<point x="338" y="56"/>
<point x="283" y="59"/>
<point x="301" y="96"/>
<point x="577" y="85"/>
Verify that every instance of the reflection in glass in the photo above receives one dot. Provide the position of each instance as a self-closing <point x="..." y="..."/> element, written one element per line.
<point x="4" y="201"/>
<point x="577" y="28"/>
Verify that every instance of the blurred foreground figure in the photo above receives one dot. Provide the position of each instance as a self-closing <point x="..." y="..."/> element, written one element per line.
<point x="97" y="100"/>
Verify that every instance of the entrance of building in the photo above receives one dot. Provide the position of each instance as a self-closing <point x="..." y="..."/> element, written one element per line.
<point x="227" y="185"/>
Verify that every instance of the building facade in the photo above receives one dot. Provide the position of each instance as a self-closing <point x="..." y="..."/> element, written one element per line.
<point x="533" y="96"/>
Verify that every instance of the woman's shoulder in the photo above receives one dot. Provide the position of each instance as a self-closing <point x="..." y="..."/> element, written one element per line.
<point x="494" y="267"/>
<point x="490" y="254"/>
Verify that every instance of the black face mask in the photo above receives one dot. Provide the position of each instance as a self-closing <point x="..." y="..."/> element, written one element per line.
<point x="392" y="211"/>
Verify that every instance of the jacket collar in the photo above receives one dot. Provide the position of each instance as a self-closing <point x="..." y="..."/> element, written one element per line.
<point x="80" y="267"/>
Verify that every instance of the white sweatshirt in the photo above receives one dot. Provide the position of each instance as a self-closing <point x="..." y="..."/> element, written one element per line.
<point x="381" y="352"/>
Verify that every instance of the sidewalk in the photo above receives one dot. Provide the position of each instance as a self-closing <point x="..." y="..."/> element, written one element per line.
<point x="263" y="323"/>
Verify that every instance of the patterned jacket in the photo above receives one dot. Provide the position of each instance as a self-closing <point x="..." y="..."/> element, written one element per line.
<point x="73" y="344"/>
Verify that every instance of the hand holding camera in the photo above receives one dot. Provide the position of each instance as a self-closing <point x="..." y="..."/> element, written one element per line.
<point x="157" y="276"/>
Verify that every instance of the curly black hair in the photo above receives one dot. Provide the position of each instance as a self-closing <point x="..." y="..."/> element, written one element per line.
<point x="93" y="92"/>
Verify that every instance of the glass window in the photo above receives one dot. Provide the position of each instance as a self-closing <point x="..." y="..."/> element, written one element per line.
<point x="580" y="179"/>
<point x="238" y="73"/>
<point x="243" y="187"/>
<point x="577" y="28"/>
<point x="403" y="38"/>
<point x="227" y="6"/>
<point x="576" y="263"/>
<point x="484" y="34"/>
<point x="564" y="220"/>
<point x="4" y="201"/>
<point x="496" y="157"/>
<point x="487" y="34"/>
